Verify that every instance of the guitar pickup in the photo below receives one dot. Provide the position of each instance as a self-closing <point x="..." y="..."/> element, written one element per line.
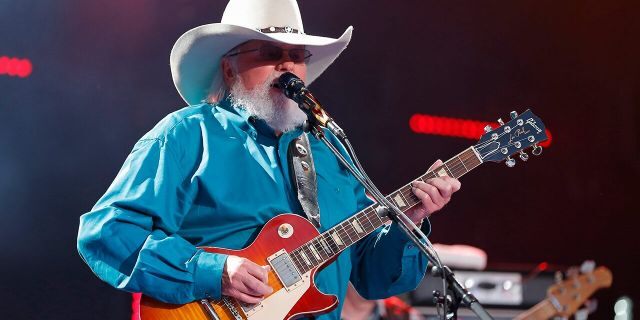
<point x="285" y="269"/>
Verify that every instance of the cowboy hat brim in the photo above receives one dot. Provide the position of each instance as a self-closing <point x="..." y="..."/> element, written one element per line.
<point x="195" y="57"/>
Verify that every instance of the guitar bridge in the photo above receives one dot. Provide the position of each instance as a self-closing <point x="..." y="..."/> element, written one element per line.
<point x="285" y="269"/>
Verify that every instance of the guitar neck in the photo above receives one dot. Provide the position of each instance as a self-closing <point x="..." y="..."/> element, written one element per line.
<point x="542" y="310"/>
<point x="333" y="241"/>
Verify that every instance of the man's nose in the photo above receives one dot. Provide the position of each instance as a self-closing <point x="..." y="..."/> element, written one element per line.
<point x="285" y="64"/>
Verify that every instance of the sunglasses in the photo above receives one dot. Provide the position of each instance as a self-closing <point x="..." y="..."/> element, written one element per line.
<point x="272" y="54"/>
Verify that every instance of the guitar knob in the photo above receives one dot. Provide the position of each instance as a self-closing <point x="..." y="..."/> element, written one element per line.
<point x="537" y="150"/>
<point x="524" y="156"/>
<point x="500" y="121"/>
<point x="510" y="162"/>
<point x="513" y="114"/>
<point x="487" y="129"/>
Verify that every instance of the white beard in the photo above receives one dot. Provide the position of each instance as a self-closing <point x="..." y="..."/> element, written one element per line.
<point x="278" y="111"/>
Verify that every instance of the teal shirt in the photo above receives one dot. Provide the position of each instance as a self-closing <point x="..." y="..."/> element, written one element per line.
<point x="210" y="175"/>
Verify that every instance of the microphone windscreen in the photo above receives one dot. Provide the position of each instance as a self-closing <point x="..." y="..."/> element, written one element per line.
<point x="291" y="85"/>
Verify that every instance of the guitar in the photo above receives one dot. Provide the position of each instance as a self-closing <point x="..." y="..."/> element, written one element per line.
<point x="565" y="298"/>
<point x="295" y="249"/>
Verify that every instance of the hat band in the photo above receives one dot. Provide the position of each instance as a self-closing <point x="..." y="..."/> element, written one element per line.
<point x="279" y="30"/>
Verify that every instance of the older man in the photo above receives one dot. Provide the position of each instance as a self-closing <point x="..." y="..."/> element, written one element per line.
<point x="213" y="173"/>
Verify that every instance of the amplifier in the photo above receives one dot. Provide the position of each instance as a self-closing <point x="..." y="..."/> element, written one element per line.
<point x="496" y="289"/>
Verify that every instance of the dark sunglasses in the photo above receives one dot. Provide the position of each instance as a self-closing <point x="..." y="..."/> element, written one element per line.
<point x="273" y="53"/>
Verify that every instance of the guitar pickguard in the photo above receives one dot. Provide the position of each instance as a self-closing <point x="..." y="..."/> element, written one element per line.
<point x="279" y="303"/>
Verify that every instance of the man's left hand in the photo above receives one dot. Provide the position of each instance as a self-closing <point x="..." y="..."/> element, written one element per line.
<point x="434" y="194"/>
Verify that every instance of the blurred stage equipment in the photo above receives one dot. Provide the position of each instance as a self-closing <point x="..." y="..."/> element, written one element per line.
<point x="459" y="256"/>
<point x="623" y="309"/>
<point x="517" y="295"/>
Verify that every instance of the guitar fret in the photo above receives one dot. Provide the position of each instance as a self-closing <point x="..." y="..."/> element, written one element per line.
<point x="356" y="225"/>
<point x="375" y="213"/>
<point x="325" y="246"/>
<point x="412" y="199"/>
<point x="398" y="200"/>
<point x="296" y="260"/>
<point x="366" y="216"/>
<point x="453" y="167"/>
<point x="302" y="265"/>
<point x="447" y="170"/>
<point x="332" y="244"/>
<point x="317" y="247"/>
<point x="337" y="239"/>
<point x="462" y="162"/>
<point x="461" y="167"/>
<point x="345" y="228"/>
<point x="307" y="252"/>
<point x="315" y="253"/>
<point x="369" y="216"/>
<point x="305" y="258"/>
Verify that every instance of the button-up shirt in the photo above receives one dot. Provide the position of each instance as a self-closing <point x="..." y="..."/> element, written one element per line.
<point x="211" y="175"/>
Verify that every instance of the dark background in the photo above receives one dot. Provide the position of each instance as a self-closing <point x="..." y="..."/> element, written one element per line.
<point x="101" y="79"/>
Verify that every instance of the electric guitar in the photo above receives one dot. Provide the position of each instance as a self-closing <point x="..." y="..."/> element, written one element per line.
<point x="565" y="298"/>
<point x="295" y="249"/>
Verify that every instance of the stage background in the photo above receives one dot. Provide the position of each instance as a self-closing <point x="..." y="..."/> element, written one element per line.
<point x="101" y="79"/>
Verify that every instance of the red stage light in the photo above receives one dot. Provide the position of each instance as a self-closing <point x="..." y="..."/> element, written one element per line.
<point x="15" y="67"/>
<point x="542" y="266"/>
<point x="454" y="127"/>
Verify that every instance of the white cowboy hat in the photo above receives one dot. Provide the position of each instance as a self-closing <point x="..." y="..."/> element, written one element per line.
<point x="195" y="57"/>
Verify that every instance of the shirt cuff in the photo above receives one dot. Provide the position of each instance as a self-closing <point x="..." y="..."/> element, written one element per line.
<point x="208" y="275"/>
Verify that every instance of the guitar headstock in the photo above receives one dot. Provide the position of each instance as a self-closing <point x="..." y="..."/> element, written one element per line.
<point x="521" y="132"/>
<point x="570" y="294"/>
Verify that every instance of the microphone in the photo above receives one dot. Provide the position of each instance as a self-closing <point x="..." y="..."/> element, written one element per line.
<point x="294" y="89"/>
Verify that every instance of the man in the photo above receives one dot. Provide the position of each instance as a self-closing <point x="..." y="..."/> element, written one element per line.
<point x="214" y="173"/>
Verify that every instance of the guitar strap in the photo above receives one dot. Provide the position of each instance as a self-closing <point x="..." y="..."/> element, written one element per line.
<point x="304" y="179"/>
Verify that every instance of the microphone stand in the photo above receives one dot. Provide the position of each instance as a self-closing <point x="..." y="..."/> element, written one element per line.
<point x="460" y="294"/>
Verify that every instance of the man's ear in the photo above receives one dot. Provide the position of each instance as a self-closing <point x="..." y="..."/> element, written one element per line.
<point x="228" y="74"/>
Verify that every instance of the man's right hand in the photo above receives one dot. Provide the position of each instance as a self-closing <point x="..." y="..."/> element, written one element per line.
<point x="244" y="280"/>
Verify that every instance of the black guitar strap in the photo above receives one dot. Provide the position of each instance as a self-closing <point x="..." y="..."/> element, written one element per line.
<point x="304" y="179"/>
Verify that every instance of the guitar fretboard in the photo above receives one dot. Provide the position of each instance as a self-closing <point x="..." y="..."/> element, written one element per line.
<point x="333" y="241"/>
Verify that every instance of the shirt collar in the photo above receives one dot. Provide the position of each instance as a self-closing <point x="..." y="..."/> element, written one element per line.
<point x="253" y="125"/>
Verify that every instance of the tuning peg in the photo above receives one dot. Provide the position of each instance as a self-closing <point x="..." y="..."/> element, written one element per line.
<point x="587" y="266"/>
<point x="513" y="114"/>
<point x="524" y="156"/>
<point x="500" y="121"/>
<point x="537" y="150"/>
<point x="558" y="277"/>
<point x="510" y="162"/>
<point x="488" y="128"/>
